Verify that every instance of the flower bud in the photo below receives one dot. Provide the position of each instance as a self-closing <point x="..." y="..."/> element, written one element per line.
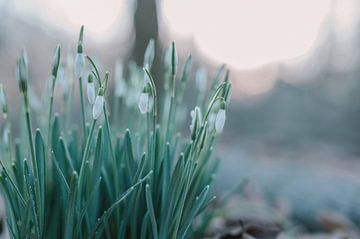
<point x="79" y="58"/>
<point x="98" y="105"/>
<point x="149" y="54"/>
<point x="144" y="102"/>
<point x="56" y="62"/>
<point x="91" y="89"/>
<point x="196" y="121"/>
<point x="22" y="73"/>
<point x="220" y="118"/>
<point x="211" y="120"/>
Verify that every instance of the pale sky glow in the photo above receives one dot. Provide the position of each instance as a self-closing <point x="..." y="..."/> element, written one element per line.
<point x="97" y="16"/>
<point x="248" y="33"/>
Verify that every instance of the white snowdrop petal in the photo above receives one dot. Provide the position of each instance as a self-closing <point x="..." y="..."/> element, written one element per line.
<point x="199" y="115"/>
<point x="192" y="114"/>
<point x="143" y="103"/>
<point x="91" y="92"/>
<point x="220" y="120"/>
<point x="196" y="113"/>
<point x="79" y="64"/>
<point x="211" y="121"/>
<point x="98" y="106"/>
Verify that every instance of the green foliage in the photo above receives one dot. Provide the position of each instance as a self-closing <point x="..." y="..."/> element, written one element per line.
<point x="126" y="175"/>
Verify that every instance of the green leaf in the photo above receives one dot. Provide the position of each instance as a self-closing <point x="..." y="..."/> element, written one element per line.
<point x="70" y="214"/>
<point x="61" y="176"/>
<point x="151" y="211"/>
<point x="41" y="164"/>
<point x="29" y="180"/>
<point x="198" y="204"/>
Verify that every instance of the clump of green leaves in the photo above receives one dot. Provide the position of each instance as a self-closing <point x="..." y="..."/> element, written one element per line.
<point x="125" y="175"/>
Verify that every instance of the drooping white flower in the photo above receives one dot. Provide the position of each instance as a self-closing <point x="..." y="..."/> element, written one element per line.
<point x="211" y="120"/>
<point x="195" y="115"/>
<point x="91" y="92"/>
<point x="79" y="64"/>
<point x="144" y="102"/>
<point x="220" y="120"/>
<point x="98" y="105"/>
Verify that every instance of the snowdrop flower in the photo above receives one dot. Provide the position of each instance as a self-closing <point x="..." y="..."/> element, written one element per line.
<point x="22" y="73"/>
<point x="79" y="64"/>
<point x="220" y="118"/>
<point x="80" y="57"/>
<point x="91" y="89"/>
<point x="145" y="101"/>
<point x="211" y="121"/>
<point x="196" y="121"/>
<point x="98" y="105"/>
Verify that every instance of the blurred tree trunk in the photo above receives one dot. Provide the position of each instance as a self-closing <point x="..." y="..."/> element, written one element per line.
<point x="146" y="27"/>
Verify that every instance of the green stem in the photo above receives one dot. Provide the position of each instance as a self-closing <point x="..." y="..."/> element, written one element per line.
<point x="82" y="107"/>
<point x="85" y="156"/>
<point x="108" y="132"/>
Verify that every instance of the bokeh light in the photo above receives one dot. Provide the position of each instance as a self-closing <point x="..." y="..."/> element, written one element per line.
<point x="248" y="33"/>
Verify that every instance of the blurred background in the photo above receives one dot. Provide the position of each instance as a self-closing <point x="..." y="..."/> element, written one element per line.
<point x="293" y="127"/>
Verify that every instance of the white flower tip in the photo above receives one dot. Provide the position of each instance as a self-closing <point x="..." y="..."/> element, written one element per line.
<point x="144" y="103"/>
<point x="98" y="106"/>
<point x="220" y="121"/>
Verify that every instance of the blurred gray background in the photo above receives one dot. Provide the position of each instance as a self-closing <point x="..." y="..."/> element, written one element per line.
<point x="293" y="126"/>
